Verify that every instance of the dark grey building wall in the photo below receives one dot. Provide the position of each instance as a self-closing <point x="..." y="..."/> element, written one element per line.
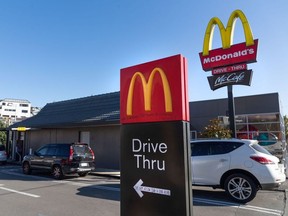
<point x="266" y="103"/>
<point x="104" y="140"/>
<point x="201" y="112"/>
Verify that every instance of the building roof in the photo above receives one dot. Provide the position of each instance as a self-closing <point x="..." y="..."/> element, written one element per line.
<point x="15" y="100"/>
<point x="86" y="111"/>
<point x="105" y="110"/>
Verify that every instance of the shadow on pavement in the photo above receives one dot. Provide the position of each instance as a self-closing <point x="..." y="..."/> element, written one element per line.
<point x="103" y="191"/>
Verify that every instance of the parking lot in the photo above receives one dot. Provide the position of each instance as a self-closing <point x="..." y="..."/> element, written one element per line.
<point x="214" y="202"/>
<point x="39" y="193"/>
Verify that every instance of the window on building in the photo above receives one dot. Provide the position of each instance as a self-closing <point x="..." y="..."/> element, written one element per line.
<point x="193" y="135"/>
<point x="23" y="105"/>
<point x="266" y="128"/>
<point x="240" y="119"/>
<point x="263" y="118"/>
<point x="84" y="137"/>
<point x="10" y="110"/>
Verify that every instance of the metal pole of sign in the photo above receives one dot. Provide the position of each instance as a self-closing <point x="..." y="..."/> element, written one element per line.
<point x="231" y="110"/>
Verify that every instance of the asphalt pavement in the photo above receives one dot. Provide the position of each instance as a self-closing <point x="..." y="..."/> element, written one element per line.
<point x="116" y="174"/>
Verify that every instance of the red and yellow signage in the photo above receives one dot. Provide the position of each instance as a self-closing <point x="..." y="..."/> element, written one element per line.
<point x="229" y="69"/>
<point x="155" y="91"/>
<point x="229" y="54"/>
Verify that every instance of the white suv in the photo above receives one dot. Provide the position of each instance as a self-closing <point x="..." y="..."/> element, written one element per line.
<point x="240" y="167"/>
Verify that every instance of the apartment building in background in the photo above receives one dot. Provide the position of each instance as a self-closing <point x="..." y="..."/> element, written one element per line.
<point x="14" y="110"/>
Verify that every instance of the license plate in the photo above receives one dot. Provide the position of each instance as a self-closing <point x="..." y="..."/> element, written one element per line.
<point x="281" y="167"/>
<point x="84" y="164"/>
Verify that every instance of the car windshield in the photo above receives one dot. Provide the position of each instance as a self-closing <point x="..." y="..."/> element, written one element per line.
<point x="259" y="148"/>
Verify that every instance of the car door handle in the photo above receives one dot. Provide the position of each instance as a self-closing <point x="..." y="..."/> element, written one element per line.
<point x="223" y="160"/>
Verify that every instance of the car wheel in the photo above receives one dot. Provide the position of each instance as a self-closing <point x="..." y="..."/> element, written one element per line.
<point x="26" y="168"/>
<point x="57" y="172"/>
<point x="83" y="174"/>
<point x="240" y="188"/>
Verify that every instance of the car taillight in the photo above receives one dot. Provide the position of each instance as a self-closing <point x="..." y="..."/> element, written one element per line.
<point x="93" y="156"/>
<point x="71" y="154"/>
<point x="261" y="160"/>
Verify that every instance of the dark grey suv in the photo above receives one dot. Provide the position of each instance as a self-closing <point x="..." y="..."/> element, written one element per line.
<point x="61" y="159"/>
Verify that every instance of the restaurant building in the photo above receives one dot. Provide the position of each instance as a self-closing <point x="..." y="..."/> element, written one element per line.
<point x="96" y="120"/>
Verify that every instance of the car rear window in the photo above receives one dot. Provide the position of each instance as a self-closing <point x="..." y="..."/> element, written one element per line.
<point x="81" y="149"/>
<point x="259" y="148"/>
<point x="2" y="148"/>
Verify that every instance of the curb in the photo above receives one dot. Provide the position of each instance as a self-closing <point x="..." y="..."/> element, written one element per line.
<point x="96" y="172"/>
<point x="106" y="174"/>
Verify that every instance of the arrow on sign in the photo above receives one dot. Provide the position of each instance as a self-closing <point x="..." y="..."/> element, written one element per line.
<point x="139" y="189"/>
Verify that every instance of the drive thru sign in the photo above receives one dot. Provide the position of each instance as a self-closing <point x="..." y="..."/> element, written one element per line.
<point x="155" y="152"/>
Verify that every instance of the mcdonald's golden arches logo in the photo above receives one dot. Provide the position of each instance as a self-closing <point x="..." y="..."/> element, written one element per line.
<point x="227" y="33"/>
<point x="155" y="91"/>
<point x="147" y="90"/>
<point x="229" y="54"/>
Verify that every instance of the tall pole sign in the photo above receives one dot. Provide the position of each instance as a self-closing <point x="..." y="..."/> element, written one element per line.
<point x="155" y="142"/>
<point x="229" y="63"/>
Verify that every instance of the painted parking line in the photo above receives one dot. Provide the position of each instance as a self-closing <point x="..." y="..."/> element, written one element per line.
<point x="19" y="192"/>
<point x="234" y="205"/>
<point x="79" y="184"/>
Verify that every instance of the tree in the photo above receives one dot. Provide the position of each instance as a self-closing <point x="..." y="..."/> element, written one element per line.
<point x="2" y="133"/>
<point x="216" y="130"/>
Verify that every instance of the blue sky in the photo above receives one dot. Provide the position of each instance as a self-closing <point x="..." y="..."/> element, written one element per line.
<point x="64" y="49"/>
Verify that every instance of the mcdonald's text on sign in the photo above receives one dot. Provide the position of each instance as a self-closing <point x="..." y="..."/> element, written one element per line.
<point x="229" y="54"/>
<point x="238" y="53"/>
<point x="155" y="91"/>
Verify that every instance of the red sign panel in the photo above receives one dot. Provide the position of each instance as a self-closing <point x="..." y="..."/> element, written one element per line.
<point x="155" y="91"/>
<point x="229" y="69"/>
<point x="238" y="53"/>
